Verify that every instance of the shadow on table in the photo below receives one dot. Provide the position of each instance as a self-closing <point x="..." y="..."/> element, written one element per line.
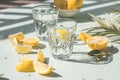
<point x="39" y="46"/>
<point x="3" y="78"/>
<point x="53" y="74"/>
<point x="83" y="57"/>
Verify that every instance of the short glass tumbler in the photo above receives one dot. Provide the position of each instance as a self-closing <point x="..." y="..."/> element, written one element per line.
<point x="43" y="14"/>
<point x="61" y="38"/>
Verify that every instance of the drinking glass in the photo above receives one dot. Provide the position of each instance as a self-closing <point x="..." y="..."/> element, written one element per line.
<point x="43" y="14"/>
<point x="61" y="38"/>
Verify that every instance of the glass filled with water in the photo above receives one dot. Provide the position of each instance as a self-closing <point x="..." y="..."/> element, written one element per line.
<point x="61" y="38"/>
<point x="42" y="15"/>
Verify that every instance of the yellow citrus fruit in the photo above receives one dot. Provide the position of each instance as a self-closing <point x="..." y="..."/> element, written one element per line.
<point x="42" y="68"/>
<point x="19" y="36"/>
<point x="15" y="42"/>
<point x="24" y="58"/>
<point x="21" y="48"/>
<point x="62" y="4"/>
<point x="84" y="36"/>
<point x="40" y="56"/>
<point x="97" y="42"/>
<point x="25" y="65"/>
<point x="74" y="4"/>
<point x="62" y="32"/>
<point x="31" y="41"/>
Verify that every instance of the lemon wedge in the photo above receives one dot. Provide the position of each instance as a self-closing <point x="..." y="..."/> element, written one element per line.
<point x="84" y="36"/>
<point x="40" y="56"/>
<point x="31" y="41"/>
<point x="15" y="42"/>
<point x="74" y="4"/>
<point x="62" y="4"/>
<point x="25" y="65"/>
<point x="21" y="48"/>
<point x="42" y="68"/>
<point x="19" y="36"/>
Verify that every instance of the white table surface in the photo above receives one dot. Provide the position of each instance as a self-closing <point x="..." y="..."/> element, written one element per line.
<point x="18" y="19"/>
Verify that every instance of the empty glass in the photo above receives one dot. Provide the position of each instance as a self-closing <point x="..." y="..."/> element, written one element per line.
<point x="43" y="14"/>
<point x="61" y="38"/>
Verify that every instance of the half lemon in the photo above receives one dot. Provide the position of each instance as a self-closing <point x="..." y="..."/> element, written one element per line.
<point x="97" y="42"/>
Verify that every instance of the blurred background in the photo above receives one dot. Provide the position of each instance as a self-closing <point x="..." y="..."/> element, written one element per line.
<point x="16" y="15"/>
<point x="13" y="3"/>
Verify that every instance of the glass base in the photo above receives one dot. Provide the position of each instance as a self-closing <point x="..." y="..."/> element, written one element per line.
<point x="61" y="57"/>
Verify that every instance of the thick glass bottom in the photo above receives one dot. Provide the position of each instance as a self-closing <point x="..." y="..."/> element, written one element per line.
<point x="61" y="56"/>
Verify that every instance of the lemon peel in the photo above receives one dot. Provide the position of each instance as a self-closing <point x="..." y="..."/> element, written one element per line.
<point x="40" y="56"/>
<point x="25" y="65"/>
<point x="42" y="68"/>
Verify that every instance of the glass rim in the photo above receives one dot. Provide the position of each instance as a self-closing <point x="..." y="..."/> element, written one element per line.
<point x="67" y="19"/>
<point x="47" y="5"/>
<point x="74" y="23"/>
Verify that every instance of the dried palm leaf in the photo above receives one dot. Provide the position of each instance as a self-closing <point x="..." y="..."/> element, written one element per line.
<point x="109" y="25"/>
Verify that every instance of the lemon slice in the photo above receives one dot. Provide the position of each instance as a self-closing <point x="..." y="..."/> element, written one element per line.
<point x="84" y="36"/>
<point x="62" y="32"/>
<point x="40" y="56"/>
<point x="21" y="48"/>
<point x="62" y="35"/>
<point x="42" y="68"/>
<point x="25" y="65"/>
<point x="97" y="42"/>
<point x="31" y="41"/>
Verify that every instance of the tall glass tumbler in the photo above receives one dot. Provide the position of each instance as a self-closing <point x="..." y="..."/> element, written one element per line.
<point x="43" y="14"/>
<point x="61" y="38"/>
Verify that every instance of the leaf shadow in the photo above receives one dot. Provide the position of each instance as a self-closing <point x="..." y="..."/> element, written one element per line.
<point x="83" y="57"/>
<point x="46" y="60"/>
<point x="33" y="52"/>
<point x="39" y="46"/>
<point x="111" y="49"/>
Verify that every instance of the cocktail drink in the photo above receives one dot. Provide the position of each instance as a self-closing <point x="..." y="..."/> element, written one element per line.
<point x="61" y="38"/>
